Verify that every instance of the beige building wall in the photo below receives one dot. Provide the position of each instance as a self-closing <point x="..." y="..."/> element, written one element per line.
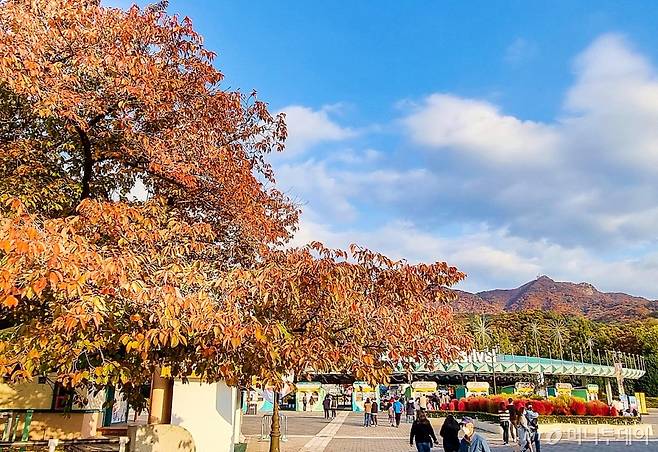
<point x="46" y="425"/>
<point x="30" y="395"/>
<point x="210" y="412"/>
<point x="74" y="425"/>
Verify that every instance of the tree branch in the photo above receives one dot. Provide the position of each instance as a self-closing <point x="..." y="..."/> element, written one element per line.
<point x="87" y="163"/>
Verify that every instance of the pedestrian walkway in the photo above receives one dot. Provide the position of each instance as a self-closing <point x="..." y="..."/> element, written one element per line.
<point x="312" y="433"/>
<point x="320" y="441"/>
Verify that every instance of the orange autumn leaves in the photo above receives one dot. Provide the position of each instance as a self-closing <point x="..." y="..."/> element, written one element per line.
<point x="99" y="288"/>
<point x="106" y="99"/>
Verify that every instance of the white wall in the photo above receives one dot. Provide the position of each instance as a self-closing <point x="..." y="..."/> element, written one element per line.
<point x="210" y="412"/>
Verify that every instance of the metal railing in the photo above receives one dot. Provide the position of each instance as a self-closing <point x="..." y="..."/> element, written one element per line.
<point x="266" y="426"/>
<point x="11" y="419"/>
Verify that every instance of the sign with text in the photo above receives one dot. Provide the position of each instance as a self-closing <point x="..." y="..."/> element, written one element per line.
<point x="477" y="388"/>
<point x="563" y="388"/>
<point x="524" y="388"/>
<point x="474" y="356"/>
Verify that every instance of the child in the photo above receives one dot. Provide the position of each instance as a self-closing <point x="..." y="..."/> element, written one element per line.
<point x="391" y="415"/>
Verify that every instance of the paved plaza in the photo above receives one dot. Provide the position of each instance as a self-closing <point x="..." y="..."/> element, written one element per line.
<point x="312" y="433"/>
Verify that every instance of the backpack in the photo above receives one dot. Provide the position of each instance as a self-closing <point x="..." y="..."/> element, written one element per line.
<point x="533" y="424"/>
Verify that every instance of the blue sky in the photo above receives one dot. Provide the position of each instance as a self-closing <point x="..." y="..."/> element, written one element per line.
<point x="509" y="138"/>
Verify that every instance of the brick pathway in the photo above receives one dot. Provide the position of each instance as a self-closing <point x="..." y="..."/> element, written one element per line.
<point x="312" y="433"/>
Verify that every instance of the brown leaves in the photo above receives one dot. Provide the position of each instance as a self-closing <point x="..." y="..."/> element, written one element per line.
<point x="103" y="291"/>
<point x="133" y="96"/>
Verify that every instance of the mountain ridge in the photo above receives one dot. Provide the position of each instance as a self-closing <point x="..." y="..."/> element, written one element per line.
<point x="564" y="297"/>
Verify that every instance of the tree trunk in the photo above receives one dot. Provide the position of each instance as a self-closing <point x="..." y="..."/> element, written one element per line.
<point x="275" y="434"/>
<point x="162" y="390"/>
<point x="87" y="163"/>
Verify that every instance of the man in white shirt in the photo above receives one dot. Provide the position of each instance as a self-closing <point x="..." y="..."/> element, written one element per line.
<point x="423" y="402"/>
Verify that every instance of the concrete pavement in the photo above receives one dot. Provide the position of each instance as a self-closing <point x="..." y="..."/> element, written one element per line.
<point x="309" y="432"/>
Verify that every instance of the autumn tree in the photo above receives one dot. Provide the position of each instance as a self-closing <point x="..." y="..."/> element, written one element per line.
<point x="99" y="287"/>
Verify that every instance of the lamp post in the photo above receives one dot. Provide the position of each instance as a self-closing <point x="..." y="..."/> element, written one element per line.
<point x="275" y="434"/>
<point x="493" y="373"/>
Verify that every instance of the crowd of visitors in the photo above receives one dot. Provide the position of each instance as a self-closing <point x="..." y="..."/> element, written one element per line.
<point x="422" y="433"/>
<point x="520" y="424"/>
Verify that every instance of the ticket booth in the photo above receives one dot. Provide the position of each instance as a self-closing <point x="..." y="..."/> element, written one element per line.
<point x="419" y="388"/>
<point x="592" y="392"/>
<point x="477" y="388"/>
<point x="362" y="392"/>
<point x="524" y="388"/>
<point x="309" y="396"/>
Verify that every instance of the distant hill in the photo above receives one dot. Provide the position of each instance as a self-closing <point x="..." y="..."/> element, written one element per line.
<point x="565" y="297"/>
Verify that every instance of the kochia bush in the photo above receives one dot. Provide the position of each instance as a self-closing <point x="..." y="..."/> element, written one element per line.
<point x="561" y="405"/>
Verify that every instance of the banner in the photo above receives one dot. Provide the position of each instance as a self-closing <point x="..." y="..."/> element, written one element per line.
<point x="476" y="388"/>
<point x="362" y="392"/>
<point x="309" y="396"/>
<point x="563" y="388"/>
<point x="424" y="386"/>
<point x="524" y="388"/>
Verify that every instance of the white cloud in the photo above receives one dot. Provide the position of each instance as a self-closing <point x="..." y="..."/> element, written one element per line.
<point x="353" y="157"/>
<point x="478" y="128"/>
<point x="612" y="109"/>
<point x="574" y="198"/>
<point x="586" y="178"/>
<point x="520" y="50"/>
<point x="493" y="258"/>
<point x="334" y="191"/>
<point x="308" y="127"/>
<point x="313" y="185"/>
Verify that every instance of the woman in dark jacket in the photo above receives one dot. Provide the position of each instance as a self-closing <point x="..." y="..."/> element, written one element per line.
<point x="450" y="434"/>
<point x="423" y="433"/>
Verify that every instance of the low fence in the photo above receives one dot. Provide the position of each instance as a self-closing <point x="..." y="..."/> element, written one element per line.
<point x="266" y="426"/>
<point x="73" y="445"/>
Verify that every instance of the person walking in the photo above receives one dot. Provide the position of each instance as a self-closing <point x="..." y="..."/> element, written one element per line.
<point x="422" y="401"/>
<point x="304" y="401"/>
<point x="334" y="406"/>
<point x="513" y="419"/>
<point x="503" y="416"/>
<point x="367" y="408"/>
<point x="533" y="426"/>
<point x="410" y="408"/>
<point x="472" y="442"/>
<point x="326" y="405"/>
<point x="524" y="431"/>
<point x="397" y="409"/>
<point x="374" y="410"/>
<point x="391" y="414"/>
<point x="450" y="434"/>
<point x="423" y="433"/>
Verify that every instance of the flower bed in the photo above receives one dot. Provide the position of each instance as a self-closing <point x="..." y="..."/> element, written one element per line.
<point x="543" y="419"/>
<point x="558" y="406"/>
